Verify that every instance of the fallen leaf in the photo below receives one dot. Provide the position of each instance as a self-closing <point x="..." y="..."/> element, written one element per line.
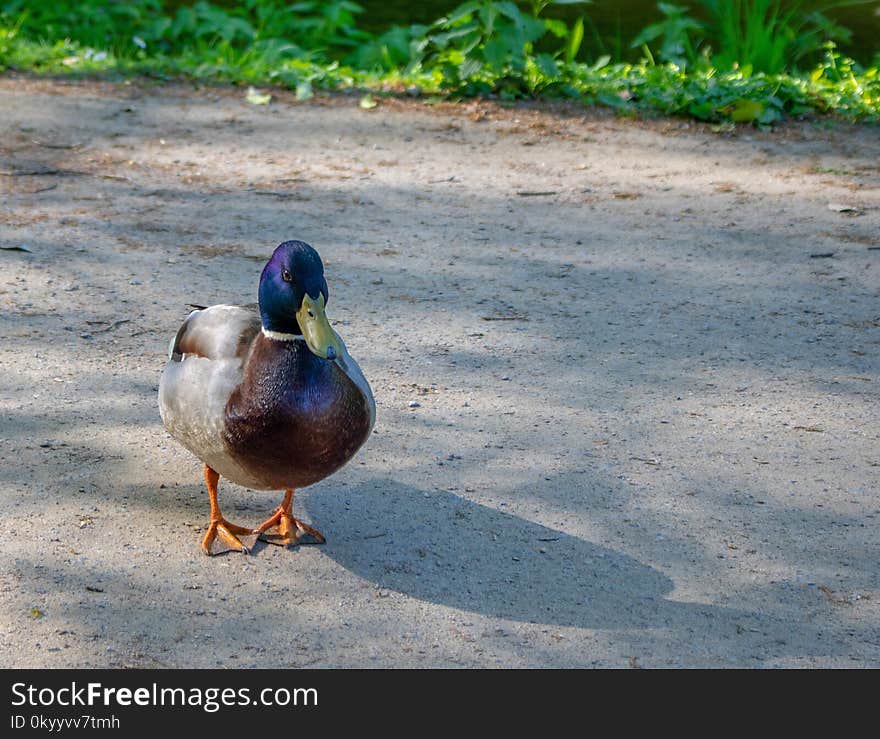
<point x="744" y="111"/>
<point x="257" y="97"/>
<point x="367" y="102"/>
<point x="304" y="91"/>
<point x="36" y="613"/>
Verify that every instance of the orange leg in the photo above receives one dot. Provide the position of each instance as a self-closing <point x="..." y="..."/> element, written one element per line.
<point x="290" y="529"/>
<point x="219" y="527"/>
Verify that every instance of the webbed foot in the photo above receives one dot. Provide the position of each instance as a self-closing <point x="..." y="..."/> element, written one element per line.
<point x="228" y="533"/>
<point x="289" y="529"/>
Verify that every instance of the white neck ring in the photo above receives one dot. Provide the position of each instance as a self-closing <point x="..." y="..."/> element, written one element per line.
<point x="279" y="336"/>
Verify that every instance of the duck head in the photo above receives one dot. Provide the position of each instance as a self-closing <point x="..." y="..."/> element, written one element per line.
<point x="293" y="295"/>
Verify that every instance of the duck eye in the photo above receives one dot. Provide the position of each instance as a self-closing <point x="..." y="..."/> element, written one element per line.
<point x="286" y="276"/>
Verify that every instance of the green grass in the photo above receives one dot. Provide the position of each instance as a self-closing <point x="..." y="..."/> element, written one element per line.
<point x="481" y="48"/>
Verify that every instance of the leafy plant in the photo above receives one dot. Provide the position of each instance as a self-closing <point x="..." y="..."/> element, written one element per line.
<point x="756" y="36"/>
<point x="7" y="41"/>
<point x="493" y="44"/>
<point x="482" y="36"/>
<point x="202" y="22"/>
<point x="276" y="28"/>
<point x="326" y="24"/>
<point x="95" y="24"/>
<point x="481" y="47"/>
<point x="768" y="35"/>
<point x="679" y="35"/>
<point x="398" y="47"/>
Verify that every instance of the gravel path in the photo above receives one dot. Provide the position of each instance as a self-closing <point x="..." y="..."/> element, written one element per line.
<point x="626" y="373"/>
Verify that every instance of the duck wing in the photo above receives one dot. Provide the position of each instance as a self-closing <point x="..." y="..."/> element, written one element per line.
<point x="219" y="332"/>
<point x="205" y="365"/>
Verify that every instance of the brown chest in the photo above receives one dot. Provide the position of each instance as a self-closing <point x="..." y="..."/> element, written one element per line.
<point x="295" y="418"/>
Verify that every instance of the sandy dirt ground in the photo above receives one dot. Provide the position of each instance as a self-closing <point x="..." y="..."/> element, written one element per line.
<point x="626" y="373"/>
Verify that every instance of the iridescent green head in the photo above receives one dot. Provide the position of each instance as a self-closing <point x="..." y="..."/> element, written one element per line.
<point x="293" y="295"/>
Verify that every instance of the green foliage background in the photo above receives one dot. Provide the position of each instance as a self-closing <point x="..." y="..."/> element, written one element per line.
<point x="737" y="61"/>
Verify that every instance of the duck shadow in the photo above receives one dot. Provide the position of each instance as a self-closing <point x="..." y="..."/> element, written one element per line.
<point x="446" y="550"/>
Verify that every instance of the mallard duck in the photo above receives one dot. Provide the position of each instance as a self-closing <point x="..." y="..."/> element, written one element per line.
<point x="267" y="396"/>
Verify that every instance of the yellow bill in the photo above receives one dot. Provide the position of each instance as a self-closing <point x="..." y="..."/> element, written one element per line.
<point x="320" y="338"/>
